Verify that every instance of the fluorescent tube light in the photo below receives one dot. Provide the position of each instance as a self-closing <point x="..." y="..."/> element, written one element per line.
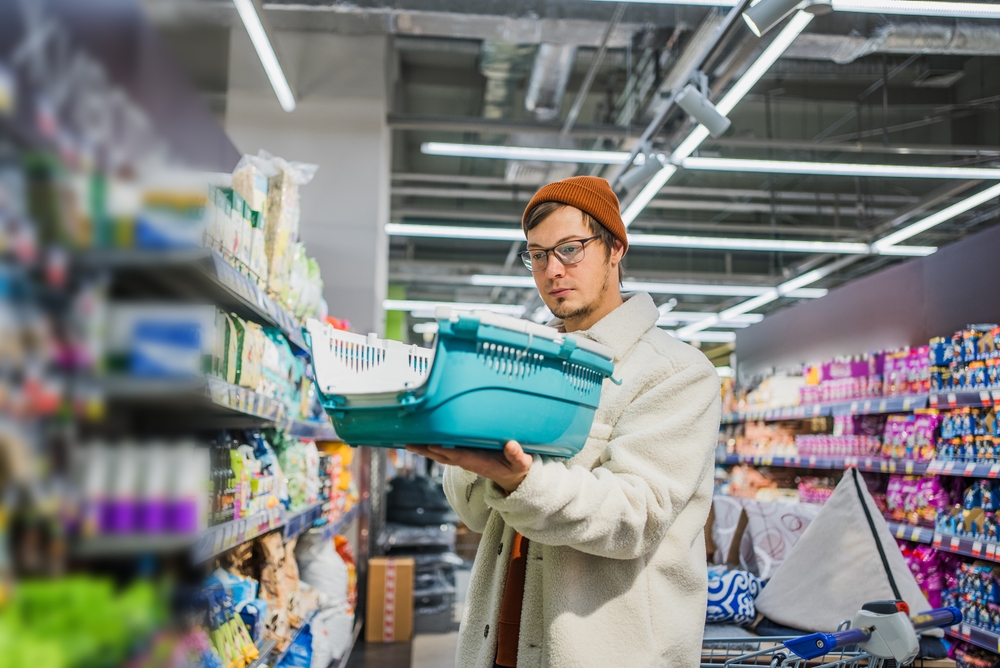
<point x="268" y="58"/>
<point x="838" y="169"/>
<point x="946" y="214"/>
<point x="666" y="241"/>
<point x="704" y="337"/>
<point x="682" y="317"/>
<point x="647" y="193"/>
<point x="656" y="288"/>
<point x="525" y="153"/>
<point x="961" y="10"/>
<point x="421" y="307"/>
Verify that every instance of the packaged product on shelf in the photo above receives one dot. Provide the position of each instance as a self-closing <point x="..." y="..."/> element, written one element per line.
<point x="927" y="567"/>
<point x="282" y="213"/>
<point x="161" y="339"/>
<point x="916" y="499"/>
<point x="815" y="490"/>
<point x="250" y="180"/>
<point x="272" y="586"/>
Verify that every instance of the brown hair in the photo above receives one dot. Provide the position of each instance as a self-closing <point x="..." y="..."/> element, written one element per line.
<point x="542" y="211"/>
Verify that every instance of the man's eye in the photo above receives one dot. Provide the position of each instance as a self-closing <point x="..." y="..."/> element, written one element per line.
<point x="570" y="249"/>
<point x="538" y="256"/>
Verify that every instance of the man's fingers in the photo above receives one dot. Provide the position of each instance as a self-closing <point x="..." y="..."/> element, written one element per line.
<point x="519" y="460"/>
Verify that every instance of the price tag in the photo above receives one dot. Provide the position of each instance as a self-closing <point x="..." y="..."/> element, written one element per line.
<point x="934" y="467"/>
<point x="868" y="407"/>
<point x="996" y="397"/>
<point x="991" y="551"/>
<point x="937" y="539"/>
<point x="816" y="410"/>
<point x="985" y="398"/>
<point x="952" y="399"/>
<point x="892" y="466"/>
<point x="217" y="542"/>
<point x="915" y="536"/>
<point x="901" y="531"/>
<point x="884" y="467"/>
<point x="955" y="543"/>
<point x="854" y="408"/>
<point x="948" y="467"/>
<point x="977" y="549"/>
<point x="994" y="471"/>
<point x="812" y="462"/>
<point x="882" y="405"/>
<point x="906" y="404"/>
<point x="966" y="631"/>
<point x="909" y="468"/>
<point x="970" y="469"/>
<point x="933" y="400"/>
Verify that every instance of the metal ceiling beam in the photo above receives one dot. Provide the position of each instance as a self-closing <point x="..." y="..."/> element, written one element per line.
<point x="460" y="124"/>
<point x="524" y="195"/>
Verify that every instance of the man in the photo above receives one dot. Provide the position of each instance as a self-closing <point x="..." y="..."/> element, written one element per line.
<point x="598" y="560"/>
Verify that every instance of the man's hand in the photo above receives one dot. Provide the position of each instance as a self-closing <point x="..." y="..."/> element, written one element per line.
<point x="507" y="467"/>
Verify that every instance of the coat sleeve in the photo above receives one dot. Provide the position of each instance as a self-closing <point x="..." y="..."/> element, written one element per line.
<point x="466" y="493"/>
<point x="659" y="454"/>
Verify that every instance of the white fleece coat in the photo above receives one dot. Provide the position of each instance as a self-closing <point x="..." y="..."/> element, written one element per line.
<point x="616" y="572"/>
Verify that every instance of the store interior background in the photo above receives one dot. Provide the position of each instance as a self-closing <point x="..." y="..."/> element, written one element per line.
<point x="375" y="81"/>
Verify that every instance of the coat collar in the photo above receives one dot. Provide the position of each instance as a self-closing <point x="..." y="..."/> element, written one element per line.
<point x="621" y="329"/>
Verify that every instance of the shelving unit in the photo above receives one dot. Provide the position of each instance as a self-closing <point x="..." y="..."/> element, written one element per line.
<point x="831" y="463"/>
<point x="911" y="533"/>
<point x="903" y="404"/>
<point x="975" y="635"/>
<point x="964" y="399"/>
<point x="194" y="272"/>
<point x="968" y="547"/>
<point x="212" y="397"/>
<point x="305" y="622"/>
<point x="264" y="651"/>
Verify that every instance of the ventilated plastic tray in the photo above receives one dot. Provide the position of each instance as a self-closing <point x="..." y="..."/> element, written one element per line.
<point x="489" y="379"/>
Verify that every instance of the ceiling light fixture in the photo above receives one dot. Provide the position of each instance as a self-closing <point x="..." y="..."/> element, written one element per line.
<point x="728" y="102"/>
<point x="681" y="317"/>
<point x="698" y="106"/>
<point x="766" y="14"/>
<point x="704" y="337"/>
<point x="425" y="309"/>
<point x="667" y="241"/>
<point x="268" y="58"/>
<point x="525" y="153"/>
<point x="838" y="169"/>
<point x="655" y="288"/>
<point x="887" y="243"/>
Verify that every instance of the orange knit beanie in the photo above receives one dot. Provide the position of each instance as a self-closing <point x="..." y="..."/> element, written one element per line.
<point x="590" y="194"/>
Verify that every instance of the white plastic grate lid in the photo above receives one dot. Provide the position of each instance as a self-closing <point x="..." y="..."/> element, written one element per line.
<point x="347" y="363"/>
<point x="527" y="327"/>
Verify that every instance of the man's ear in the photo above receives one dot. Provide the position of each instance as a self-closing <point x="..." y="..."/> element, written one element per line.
<point x="617" y="251"/>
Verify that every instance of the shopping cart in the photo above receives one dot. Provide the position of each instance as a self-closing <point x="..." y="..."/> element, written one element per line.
<point x="882" y="634"/>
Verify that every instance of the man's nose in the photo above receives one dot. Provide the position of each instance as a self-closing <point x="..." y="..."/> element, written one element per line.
<point x="555" y="268"/>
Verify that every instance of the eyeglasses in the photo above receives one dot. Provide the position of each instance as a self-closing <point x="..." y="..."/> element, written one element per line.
<point x="568" y="252"/>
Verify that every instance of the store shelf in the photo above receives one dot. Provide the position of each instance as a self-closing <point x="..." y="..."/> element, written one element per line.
<point x="832" y="463"/>
<point x="295" y="634"/>
<point x="211" y="395"/>
<point x="225" y="536"/>
<point x="964" y="469"/>
<point x="964" y="399"/>
<point x="131" y="545"/>
<point x="301" y="521"/>
<point x="975" y="635"/>
<point x="967" y="547"/>
<point x="903" y="404"/>
<point x="336" y="527"/>
<point x="265" y="649"/>
<point x="911" y="533"/>
<point x="195" y="273"/>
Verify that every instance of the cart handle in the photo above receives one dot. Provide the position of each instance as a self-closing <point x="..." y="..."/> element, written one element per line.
<point x="817" y="644"/>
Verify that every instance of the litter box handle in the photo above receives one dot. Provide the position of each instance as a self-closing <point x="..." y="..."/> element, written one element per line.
<point x="567" y="348"/>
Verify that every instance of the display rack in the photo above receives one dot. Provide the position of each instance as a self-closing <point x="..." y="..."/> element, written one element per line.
<point x="975" y="635"/>
<point x="964" y="469"/>
<point x="967" y="547"/>
<point x="298" y="631"/>
<point x="911" y="533"/>
<point x="872" y="464"/>
<point x="903" y="404"/>
<point x="195" y="272"/>
<point x="964" y="399"/>
<point x="212" y="396"/>
<point x="265" y="649"/>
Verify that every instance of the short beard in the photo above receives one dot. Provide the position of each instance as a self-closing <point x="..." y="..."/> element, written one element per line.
<point x="566" y="313"/>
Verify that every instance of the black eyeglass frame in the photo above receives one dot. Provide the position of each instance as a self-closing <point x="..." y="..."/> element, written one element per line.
<point x="525" y="255"/>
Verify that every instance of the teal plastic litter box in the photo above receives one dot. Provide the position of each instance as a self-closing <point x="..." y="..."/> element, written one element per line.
<point x="489" y="379"/>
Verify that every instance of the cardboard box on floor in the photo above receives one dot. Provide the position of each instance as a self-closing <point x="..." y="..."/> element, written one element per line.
<point x="389" y="613"/>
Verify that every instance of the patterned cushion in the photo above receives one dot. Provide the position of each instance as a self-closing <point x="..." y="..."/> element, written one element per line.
<point x="731" y="595"/>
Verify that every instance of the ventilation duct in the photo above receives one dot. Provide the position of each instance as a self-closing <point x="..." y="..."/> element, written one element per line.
<point x="955" y="39"/>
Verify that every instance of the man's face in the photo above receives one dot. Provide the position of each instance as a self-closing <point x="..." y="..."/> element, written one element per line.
<point x="577" y="290"/>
